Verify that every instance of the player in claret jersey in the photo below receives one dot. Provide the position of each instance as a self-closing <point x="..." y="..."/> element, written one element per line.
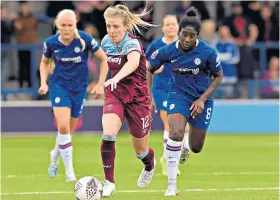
<point x="127" y="94"/>
<point x="197" y="73"/>
<point x="68" y="83"/>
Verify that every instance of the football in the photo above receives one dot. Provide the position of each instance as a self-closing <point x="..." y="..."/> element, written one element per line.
<point x="88" y="188"/>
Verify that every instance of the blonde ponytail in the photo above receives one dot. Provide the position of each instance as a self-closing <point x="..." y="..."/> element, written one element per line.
<point x="133" y="21"/>
<point x="77" y="35"/>
<point x="51" y="66"/>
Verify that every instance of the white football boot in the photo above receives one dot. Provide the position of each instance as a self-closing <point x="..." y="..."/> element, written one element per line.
<point x="108" y="188"/>
<point x="53" y="168"/>
<point x="145" y="177"/>
<point x="171" y="191"/>
<point x="185" y="150"/>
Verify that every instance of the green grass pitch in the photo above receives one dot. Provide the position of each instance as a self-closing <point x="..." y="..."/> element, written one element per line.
<point x="230" y="167"/>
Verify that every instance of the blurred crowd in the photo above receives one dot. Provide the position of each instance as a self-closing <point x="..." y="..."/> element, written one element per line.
<point x="231" y="33"/>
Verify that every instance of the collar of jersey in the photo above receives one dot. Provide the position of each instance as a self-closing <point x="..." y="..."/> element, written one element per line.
<point x="126" y="34"/>
<point x="62" y="43"/>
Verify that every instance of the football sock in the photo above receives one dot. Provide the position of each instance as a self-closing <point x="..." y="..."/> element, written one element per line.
<point x="55" y="152"/>
<point x="165" y="138"/>
<point x="173" y="153"/>
<point x="148" y="159"/>
<point x="66" y="151"/>
<point x="108" y="154"/>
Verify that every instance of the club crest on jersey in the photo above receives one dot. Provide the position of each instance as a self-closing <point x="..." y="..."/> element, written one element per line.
<point x="197" y="61"/>
<point x="154" y="54"/>
<point x="119" y="48"/>
<point x="77" y="49"/>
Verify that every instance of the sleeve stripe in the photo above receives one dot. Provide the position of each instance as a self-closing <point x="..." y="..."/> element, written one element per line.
<point x="131" y="50"/>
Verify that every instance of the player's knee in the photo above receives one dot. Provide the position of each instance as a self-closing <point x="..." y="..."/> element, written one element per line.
<point x="196" y="148"/>
<point x="63" y="128"/>
<point x="177" y="134"/>
<point x="109" y="138"/>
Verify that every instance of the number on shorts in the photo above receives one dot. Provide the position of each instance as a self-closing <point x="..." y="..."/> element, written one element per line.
<point x="208" y="115"/>
<point x="145" y="122"/>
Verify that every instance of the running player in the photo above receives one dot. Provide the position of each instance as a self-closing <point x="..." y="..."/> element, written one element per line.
<point x="170" y="28"/>
<point x="127" y="94"/>
<point x="68" y="83"/>
<point x="197" y="73"/>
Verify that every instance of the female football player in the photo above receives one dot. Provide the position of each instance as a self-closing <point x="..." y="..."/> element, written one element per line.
<point x="127" y="94"/>
<point x="68" y="83"/>
<point x="197" y="73"/>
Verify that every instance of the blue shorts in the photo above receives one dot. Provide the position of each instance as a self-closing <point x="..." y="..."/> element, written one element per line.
<point x="180" y="103"/>
<point x="61" y="97"/>
<point x="160" y="99"/>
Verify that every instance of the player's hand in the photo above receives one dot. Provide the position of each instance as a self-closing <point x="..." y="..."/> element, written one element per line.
<point x="197" y="108"/>
<point x="153" y="106"/>
<point x="44" y="88"/>
<point x="96" y="89"/>
<point x="113" y="82"/>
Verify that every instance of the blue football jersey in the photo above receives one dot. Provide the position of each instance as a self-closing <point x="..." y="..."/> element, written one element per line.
<point x="158" y="43"/>
<point x="192" y="70"/>
<point x="229" y="55"/>
<point x="71" y="69"/>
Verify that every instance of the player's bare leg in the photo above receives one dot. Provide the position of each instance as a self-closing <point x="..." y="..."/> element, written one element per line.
<point x="111" y="125"/>
<point x="185" y="147"/>
<point x="164" y="118"/>
<point x="146" y="155"/>
<point x="55" y="153"/>
<point x="64" y="140"/>
<point x="177" y="124"/>
<point x="196" y="138"/>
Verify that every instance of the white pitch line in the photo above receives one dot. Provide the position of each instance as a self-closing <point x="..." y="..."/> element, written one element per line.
<point x="149" y="191"/>
<point x="12" y="176"/>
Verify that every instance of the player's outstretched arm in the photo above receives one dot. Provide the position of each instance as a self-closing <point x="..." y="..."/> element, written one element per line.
<point x="133" y="60"/>
<point x="44" y="72"/>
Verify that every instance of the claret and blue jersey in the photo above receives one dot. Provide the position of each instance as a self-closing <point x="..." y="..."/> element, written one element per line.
<point x="134" y="86"/>
<point x="192" y="74"/>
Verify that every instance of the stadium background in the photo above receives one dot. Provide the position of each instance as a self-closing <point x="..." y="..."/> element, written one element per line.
<point x="246" y="117"/>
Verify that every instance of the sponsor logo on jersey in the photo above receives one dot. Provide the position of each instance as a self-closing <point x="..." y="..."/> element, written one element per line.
<point x="186" y="70"/>
<point x="114" y="60"/>
<point x="77" y="59"/>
